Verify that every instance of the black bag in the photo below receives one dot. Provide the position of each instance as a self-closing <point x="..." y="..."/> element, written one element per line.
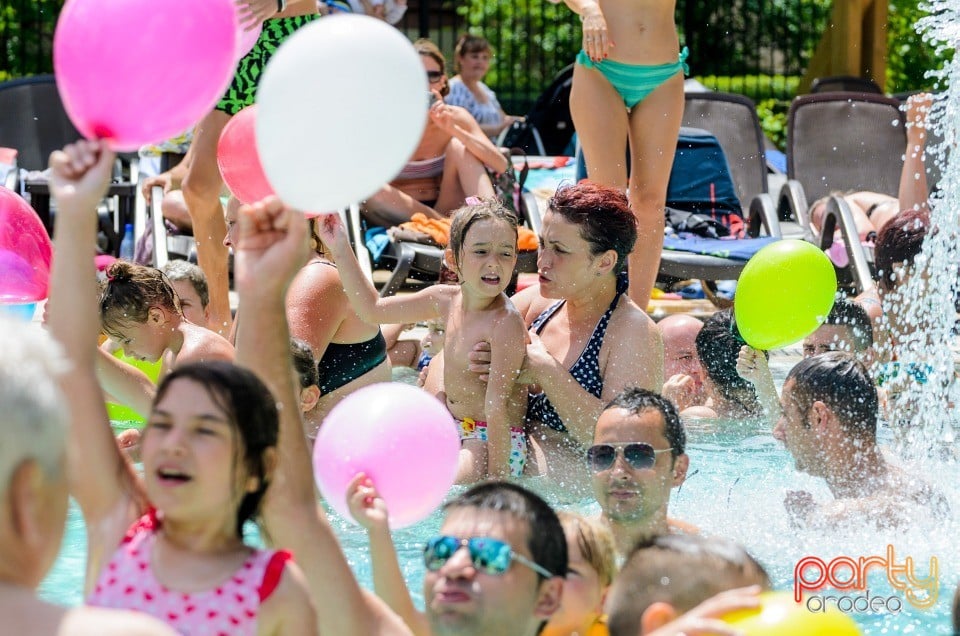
<point x="508" y="185"/>
<point x="695" y="223"/>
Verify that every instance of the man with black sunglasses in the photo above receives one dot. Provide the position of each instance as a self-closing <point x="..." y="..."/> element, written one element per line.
<point x="636" y="459"/>
<point x="496" y="566"/>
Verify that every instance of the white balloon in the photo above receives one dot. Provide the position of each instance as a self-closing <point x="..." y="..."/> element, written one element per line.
<point x="342" y="106"/>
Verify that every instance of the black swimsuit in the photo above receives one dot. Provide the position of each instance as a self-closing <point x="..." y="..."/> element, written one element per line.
<point x="586" y="370"/>
<point x="344" y="363"/>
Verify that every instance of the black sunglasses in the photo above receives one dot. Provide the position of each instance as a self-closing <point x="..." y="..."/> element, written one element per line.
<point x="639" y="455"/>
<point x="488" y="555"/>
<point x="434" y="76"/>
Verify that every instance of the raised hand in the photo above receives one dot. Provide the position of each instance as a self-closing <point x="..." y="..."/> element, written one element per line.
<point x="80" y="175"/>
<point x="705" y="618"/>
<point x="253" y="12"/>
<point x="367" y="507"/>
<point x="271" y="245"/>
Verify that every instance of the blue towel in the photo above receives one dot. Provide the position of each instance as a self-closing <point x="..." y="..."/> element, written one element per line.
<point x="377" y="240"/>
<point x="735" y="249"/>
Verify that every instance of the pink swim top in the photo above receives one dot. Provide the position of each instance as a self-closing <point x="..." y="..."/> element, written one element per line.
<point x="231" y="609"/>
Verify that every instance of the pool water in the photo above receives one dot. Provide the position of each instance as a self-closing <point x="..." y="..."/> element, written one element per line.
<point x="735" y="487"/>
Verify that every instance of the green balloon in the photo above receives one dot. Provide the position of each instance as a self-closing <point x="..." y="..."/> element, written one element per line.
<point x="785" y="292"/>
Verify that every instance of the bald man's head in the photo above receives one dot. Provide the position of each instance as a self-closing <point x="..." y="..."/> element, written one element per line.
<point x="679" y="333"/>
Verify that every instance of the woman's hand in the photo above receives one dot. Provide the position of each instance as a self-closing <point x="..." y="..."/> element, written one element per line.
<point x="479" y="359"/>
<point x="367" y="507"/>
<point x="918" y="108"/>
<point x="253" y="12"/>
<point x="79" y="176"/>
<point x="331" y="230"/>
<point x="596" y="40"/>
<point x="442" y="115"/>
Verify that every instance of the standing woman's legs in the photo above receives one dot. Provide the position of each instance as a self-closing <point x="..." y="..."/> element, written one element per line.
<point x="201" y="192"/>
<point x="654" y="128"/>
<point x="600" y="119"/>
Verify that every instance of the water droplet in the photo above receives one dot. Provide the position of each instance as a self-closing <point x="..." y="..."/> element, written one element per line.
<point x="895" y="122"/>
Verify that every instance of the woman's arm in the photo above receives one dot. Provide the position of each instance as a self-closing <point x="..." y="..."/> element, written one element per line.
<point x="271" y="248"/>
<point x="427" y="304"/>
<point x="99" y="476"/>
<point x="752" y="366"/>
<point x="596" y="41"/>
<point x="316" y="306"/>
<point x="504" y="408"/>
<point x="459" y="123"/>
<point x="634" y="359"/>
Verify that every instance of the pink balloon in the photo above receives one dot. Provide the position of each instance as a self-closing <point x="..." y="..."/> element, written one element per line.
<point x="238" y="159"/>
<point x="25" y="251"/>
<point x="135" y="73"/>
<point x="246" y="40"/>
<point x="401" y="437"/>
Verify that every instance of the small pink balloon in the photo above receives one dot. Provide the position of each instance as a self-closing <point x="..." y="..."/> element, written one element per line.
<point x="25" y="250"/>
<point x="135" y="73"/>
<point x="246" y="40"/>
<point x="402" y="438"/>
<point x="238" y="160"/>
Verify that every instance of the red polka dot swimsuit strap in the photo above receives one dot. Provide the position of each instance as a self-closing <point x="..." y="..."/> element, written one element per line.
<point x="128" y="582"/>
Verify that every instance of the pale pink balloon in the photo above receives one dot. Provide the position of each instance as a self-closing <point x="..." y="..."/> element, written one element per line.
<point x="402" y="438"/>
<point x="134" y="72"/>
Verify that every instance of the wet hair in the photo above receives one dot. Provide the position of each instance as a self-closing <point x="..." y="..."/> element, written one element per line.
<point x="129" y="292"/>
<point x="595" y="542"/>
<point x="603" y="215"/>
<point x="466" y="216"/>
<point x="185" y="270"/>
<point x="545" y="538"/>
<point x="899" y="241"/>
<point x="466" y="44"/>
<point x="841" y="382"/>
<point x="425" y="47"/>
<point x="852" y="315"/>
<point x="250" y="409"/>
<point x="955" y="611"/>
<point x="636" y="401"/>
<point x="304" y="363"/>
<point x="718" y="345"/>
<point x="683" y="570"/>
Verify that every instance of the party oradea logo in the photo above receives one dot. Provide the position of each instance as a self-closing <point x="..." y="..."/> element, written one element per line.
<point x="841" y="583"/>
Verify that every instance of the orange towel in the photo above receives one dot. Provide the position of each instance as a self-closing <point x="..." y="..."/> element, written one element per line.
<point x="439" y="231"/>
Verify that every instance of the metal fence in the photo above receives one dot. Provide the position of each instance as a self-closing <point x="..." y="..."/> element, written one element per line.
<point x="756" y="47"/>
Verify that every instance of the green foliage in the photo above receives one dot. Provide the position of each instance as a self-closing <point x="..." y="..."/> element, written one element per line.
<point x="909" y="57"/>
<point x="756" y="87"/>
<point x="773" y="120"/>
<point x="26" y="36"/>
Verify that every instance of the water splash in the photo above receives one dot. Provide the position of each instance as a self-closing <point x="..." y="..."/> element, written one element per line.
<point x="923" y="325"/>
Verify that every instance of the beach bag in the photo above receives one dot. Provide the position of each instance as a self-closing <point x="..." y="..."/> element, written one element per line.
<point x="508" y="185"/>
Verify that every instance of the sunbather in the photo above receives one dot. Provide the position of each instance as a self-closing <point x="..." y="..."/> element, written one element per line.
<point x="450" y="163"/>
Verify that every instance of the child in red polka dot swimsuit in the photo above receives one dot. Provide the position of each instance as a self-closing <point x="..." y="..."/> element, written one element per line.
<point x="168" y="542"/>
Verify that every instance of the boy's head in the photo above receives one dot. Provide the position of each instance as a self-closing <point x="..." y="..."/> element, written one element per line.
<point x="718" y="345"/>
<point x="432" y="341"/>
<point x="668" y="575"/>
<point x="847" y="328"/>
<point x="190" y="283"/>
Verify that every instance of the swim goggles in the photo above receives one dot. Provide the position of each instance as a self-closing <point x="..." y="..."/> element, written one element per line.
<point x="639" y="455"/>
<point x="488" y="555"/>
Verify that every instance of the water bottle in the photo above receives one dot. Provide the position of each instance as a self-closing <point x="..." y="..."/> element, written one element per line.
<point x="127" y="245"/>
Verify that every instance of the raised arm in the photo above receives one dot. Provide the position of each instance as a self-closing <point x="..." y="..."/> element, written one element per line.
<point x="913" y="193"/>
<point x="99" y="476"/>
<point x="427" y="304"/>
<point x="370" y="511"/>
<point x="271" y="248"/>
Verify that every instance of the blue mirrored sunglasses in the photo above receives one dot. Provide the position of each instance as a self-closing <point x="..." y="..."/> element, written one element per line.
<point x="488" y="555"/>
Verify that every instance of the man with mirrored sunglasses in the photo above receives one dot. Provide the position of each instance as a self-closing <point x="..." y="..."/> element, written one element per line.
<point x="497" y="564"/>
<point x="636" y="459"/>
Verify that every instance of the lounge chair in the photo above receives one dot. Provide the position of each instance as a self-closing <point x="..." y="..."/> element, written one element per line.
<point x="33" y="122"/>
<point x="839" y="142"/>
<point x="845" y="83"/>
